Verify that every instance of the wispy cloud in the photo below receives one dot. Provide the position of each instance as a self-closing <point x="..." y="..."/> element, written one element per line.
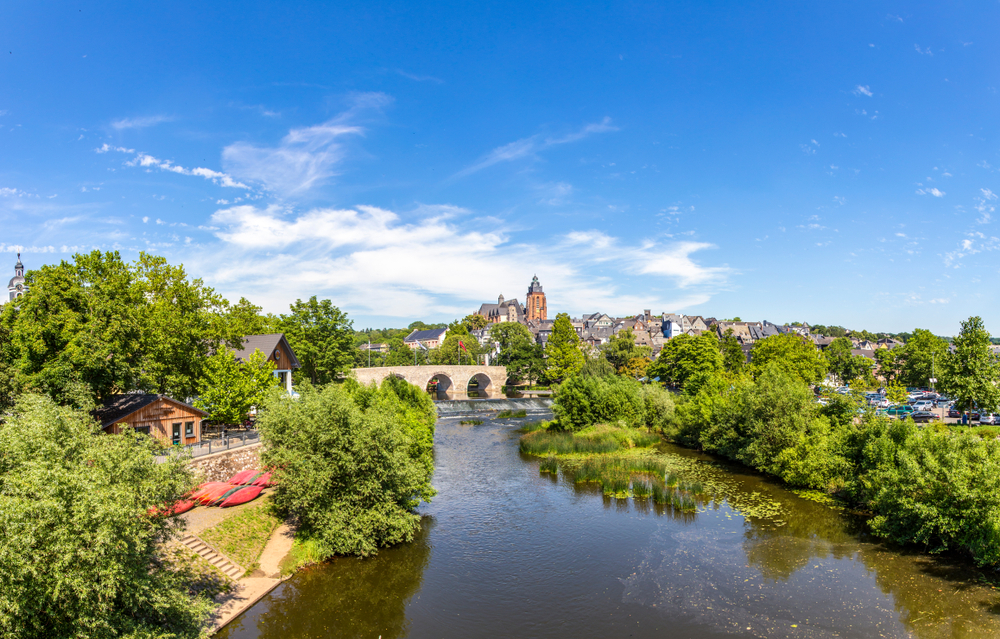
<point x="141" y="122"/>
<point x="985" y="205"/>
<point x="862" y="90"/>
<point x="419" y="78"/>
<point x="150" y="162"/>
<point x="924" y="51"/>
<point x="19" y="248"/>
<point x="306" y="157"/>
<point x="528" y="147"/>
<point x="931" y="191"/>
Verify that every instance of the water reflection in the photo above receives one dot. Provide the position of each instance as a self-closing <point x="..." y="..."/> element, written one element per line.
<point x="347" y="597"/>
<point x="529" y="554"/>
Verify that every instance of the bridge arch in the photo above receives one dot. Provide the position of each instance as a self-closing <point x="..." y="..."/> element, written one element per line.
<point x="444" y="384"/>
<point x="491" y="379"/>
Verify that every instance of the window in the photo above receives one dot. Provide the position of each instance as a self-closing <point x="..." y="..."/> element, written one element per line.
<point x="189" y="429"/>
<point x="177" y="433"/>
<point x="142" y="429"/>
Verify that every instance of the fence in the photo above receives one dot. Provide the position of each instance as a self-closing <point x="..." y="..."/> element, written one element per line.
<point x="210" y="446"/>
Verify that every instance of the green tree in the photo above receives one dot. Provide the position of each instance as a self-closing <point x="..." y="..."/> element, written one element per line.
<point x="230" y="388"/>
<point x="844" y="364"/>
<point x="475" y="322"/>
<point x="887" y="363"/>
<point x="621" y="349"/>
<point x="80" y="552"/>
<point x="734" y="360"/>
<point x="516" y="349"/>
<point x="685" y="356"/>
<point x="562" y="351"/>
<point x="459" y="347"/>
<point x="399" y="353"/>
<point x="970" y="374"/>
<point x="320" y="334"/>
<point x="351" y="463"/>
<point x="792" y="353"/>
<point x="918" y="357"/>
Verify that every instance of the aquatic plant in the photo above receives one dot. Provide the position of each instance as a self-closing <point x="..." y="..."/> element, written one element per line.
<point x="548" y="465"/>
<point x="641" y="489"/>
<point x="510" y="414"/>
<point x="471" y="422"/>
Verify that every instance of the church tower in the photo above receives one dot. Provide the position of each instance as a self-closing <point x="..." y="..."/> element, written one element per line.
<point x="16" y="288"/>
<point x="535" y="306"/>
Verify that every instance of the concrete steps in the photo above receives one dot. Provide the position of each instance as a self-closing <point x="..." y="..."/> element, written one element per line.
<point x="227" y="566"/>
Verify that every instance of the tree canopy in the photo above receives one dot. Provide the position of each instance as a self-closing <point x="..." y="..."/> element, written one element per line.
<point x="621" y="350"/>
<point x="685" y="356"/>
<point x="230" y="388"/>
<point x="970" y="374"/>
<point x="844" y="364"/>
<point x="918" y="358"/>
<point x="320" y="334"/>
<point x="517" y="350"/>
<point x="80" y="552"/>
<point x="791" y="352"/>
<point x="562" y="351"/>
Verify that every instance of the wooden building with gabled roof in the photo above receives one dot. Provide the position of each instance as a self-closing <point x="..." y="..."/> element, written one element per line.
<point x="159" y="416"/>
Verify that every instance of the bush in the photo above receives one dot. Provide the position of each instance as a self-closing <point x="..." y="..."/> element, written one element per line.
<point x="79" y="551"/>
<point x="659" y="410"/>
<point x="351" y="462"/>
<point x="583" y="400"/>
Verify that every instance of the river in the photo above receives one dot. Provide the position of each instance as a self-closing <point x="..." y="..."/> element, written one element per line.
<point x="505" y="551"/>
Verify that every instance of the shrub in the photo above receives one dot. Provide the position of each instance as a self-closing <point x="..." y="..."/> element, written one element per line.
<point x="585" y="400"/>
<point x="351" y="462"/>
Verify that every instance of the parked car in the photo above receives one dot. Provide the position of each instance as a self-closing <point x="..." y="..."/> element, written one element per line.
<point x="954" y="412"/>
<point x="898" y="411"/>
<point x="923" y="405"/>
<point x="924" y="417"/>
<point x="991" y="419"/>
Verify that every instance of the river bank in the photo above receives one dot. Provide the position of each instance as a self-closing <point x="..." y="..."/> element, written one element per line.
<point x="505" y="550"/>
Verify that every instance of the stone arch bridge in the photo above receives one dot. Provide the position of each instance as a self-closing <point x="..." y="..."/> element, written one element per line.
<point x="490" y="379"/>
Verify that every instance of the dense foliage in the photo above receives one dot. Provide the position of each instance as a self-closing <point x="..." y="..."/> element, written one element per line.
<point x="562" y="351"/>
<point x="78" y="548"/>
<point x="351" y="462"/>
<point x="792" y="353"/>
<point x="230" y="388"/>
<point x="107" y="326"/>
<point x="972" y="371"/>
<point x="596" y="395"/>
<point x="321" y="336"/>
<point x="685" y="356"/>
<point x="517" y="350"/>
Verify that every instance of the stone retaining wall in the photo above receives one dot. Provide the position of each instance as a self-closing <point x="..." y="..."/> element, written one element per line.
<point x="222" y="466"/>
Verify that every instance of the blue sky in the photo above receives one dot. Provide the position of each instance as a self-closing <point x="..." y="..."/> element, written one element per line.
<point x="784" y="161"/>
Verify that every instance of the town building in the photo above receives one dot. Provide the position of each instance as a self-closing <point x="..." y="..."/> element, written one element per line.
<point x="17" y="287"/>
<point x="430" y="338"/>
<point x="161" y="417"/>
<point x="536" y="308"/>
<point x="278" y="352"/>
<point x="503" y="311"/>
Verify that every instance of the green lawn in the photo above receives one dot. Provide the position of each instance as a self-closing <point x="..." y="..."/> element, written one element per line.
<point x="243" y="536"/>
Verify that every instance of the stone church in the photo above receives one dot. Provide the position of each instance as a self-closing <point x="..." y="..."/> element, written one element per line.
<point x="512" y="311"/>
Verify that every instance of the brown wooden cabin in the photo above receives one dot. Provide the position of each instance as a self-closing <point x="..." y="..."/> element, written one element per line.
<point x="278" y="351"/>
<point x="159" y="416"/>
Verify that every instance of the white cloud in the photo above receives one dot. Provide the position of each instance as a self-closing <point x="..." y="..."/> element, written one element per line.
<point x="140" y="122"/>
<point x="984" y="205"/>
<point x="862" y="90"/>
<point x="150" y="162"/>
<point x="18" y="248"/>
<point x="924" y="51"/>
<point x="12" y="192"/>
<point x="419" y="78"/>
<point x="374" y="261"/>
<point x="528" y="147"/>
<point x="145" y="218"/>
<point x="305" y="157"/>
<point x="932" y="191"/>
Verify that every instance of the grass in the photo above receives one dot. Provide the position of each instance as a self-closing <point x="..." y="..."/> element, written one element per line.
<point x="510" y="414"/>
<point x="201" y="577"/>
<point x="471" y="422"/>
<point x="596" y="440"/>
<point x="531" y="427"/>
<point x="305" y="551"/>
<point x="548" y="465"/>
<point x="242" y="537"/>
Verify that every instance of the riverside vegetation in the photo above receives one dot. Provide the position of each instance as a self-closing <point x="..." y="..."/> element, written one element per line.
<point x="929" y="486"/>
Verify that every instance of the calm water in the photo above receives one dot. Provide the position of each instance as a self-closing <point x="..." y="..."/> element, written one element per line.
<point x="507" y="552"/>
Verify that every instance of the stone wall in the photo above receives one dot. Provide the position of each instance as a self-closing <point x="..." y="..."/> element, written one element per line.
<point x="222" y="466"/>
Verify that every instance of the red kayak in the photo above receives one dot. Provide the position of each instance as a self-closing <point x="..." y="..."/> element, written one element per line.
<point x="181" y="506"/>
<point x="240" y="477"/>
<point x="263" y="481"/>
<point x="221" y="498"/>
<point x="205" y="488"/>
<point x="241" y="496"/>
<point x="211" y="494"/>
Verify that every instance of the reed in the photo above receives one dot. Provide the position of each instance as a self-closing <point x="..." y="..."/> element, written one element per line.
<point x="471" y="422"/>
<point x="642" y="489"/>
<point x="615" y="485"/>
<point x="660" y="494"/>
<point x="510" y="414"/>
<point x="548" y="465"/>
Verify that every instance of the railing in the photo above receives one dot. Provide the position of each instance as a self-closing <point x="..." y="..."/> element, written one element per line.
<point x="219" y="445"/>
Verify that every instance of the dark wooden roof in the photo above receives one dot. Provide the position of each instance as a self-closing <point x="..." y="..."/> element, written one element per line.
<point x="118" y="407"/>
<point x="265" y="344"/>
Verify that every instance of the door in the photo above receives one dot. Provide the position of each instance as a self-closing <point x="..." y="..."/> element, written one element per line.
<point x="177" y="433"/>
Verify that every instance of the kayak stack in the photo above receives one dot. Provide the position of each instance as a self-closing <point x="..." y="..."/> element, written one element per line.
<point x="241" y="488"/>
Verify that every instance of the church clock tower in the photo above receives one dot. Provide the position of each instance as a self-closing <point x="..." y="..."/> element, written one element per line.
<point x="16" y="288"/>
<point x="535" y="309"/>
